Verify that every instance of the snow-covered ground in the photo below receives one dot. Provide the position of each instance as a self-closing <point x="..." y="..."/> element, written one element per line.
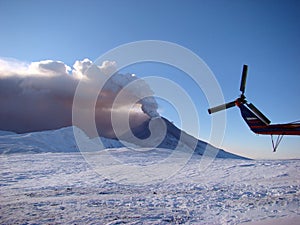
<point x="62" y="188"/>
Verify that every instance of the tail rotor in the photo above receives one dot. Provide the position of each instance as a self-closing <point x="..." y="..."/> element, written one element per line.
<point x="259" y="113"/>
<point x="241" y="100"/>
<point x="244" y="78"/>
<point x="221" y="107"/>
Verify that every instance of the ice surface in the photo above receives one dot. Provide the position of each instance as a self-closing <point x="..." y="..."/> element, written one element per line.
<point x="62" y="188"/>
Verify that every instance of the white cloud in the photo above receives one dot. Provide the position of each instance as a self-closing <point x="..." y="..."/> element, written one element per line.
<point x="108" y="67"/>
<point x="80" y="67"/>
<point x="12" y="67"/>
<point x="48" y="67"/>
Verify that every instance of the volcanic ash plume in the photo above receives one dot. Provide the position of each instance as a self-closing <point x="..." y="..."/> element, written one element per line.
<point x="39" y="95"/>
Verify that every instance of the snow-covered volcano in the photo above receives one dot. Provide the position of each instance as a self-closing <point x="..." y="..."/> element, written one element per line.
<point x="63" y="140"/>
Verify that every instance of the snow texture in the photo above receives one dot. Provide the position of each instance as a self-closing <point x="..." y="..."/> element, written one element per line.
<point x="61" y="188"/>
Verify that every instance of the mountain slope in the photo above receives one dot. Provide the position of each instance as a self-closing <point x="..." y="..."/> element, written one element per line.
<point x="63" y="140"/>
<point x="174" y="137"/>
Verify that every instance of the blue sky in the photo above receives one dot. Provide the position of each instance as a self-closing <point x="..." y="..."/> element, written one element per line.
<point x="225" y="34"/>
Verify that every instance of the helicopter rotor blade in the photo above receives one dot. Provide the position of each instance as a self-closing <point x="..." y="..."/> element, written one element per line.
<point x="221" y="107"/>
<point x="259" y="113"/>
<point x="244" y="78"/>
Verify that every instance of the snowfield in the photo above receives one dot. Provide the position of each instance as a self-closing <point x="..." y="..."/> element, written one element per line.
<point x="62" y="188"/>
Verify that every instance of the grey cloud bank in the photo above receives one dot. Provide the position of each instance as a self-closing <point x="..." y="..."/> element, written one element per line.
<point x="39" y="95"/>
